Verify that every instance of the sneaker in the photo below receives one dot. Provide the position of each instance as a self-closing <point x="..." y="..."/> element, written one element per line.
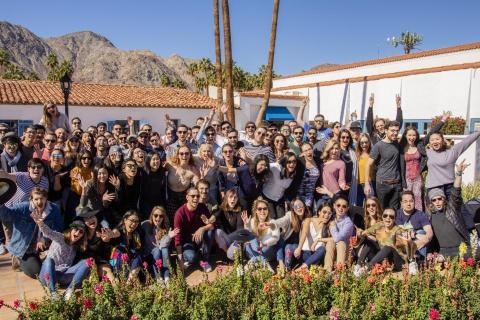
<point x="16" y="264"/>
<point x="358" y="271"/>
<point x="3" y="249"/>
<point x="186" y="264"/>
<point x="208" y="267"/>
<point x="68" y="294"/>
<point x="166" y="281"/>
<point x="412" y="268"/>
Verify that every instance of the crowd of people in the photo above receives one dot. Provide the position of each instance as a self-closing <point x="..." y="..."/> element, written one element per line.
<point x="286" y="196"/>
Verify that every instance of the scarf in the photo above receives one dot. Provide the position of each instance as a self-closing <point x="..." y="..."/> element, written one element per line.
<point x="11" y="162"/>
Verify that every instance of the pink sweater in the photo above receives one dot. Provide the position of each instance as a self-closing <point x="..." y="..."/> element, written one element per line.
<point x="333" y="175"/>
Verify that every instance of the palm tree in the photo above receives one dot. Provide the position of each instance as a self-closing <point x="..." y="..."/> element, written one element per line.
<point x="227" y="42"/>
<point x="4" y="58"/>
<point x="218" y="58"/>
<point x="271" y="54"/>
<point x="409" y="41"/>
<point x="165" y="80"/>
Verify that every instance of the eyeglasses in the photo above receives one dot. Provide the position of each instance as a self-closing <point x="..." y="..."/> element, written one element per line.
<point x="344" y="206"/>
<point x="436" y="199"/>
<point x="345" y="137"/>
<point x="86" y="158"/>
<point x="211" y="134"/>
<point x="132" y="166"/>
<point x="184" y="153"/>
<point x="227" y="151"/>
<point x="250" y="127"/>
<point x="226" y="128"/>
<point x="50" y="140"/>
<point x="390" y="216"/>
<point x="262" y="208"/>
<point x="134" y="221"/>
<point x="194" y="195"/>
<point x="181" y="132"/>
<point x="38" y="166"/>
<point x="371" y="205"/>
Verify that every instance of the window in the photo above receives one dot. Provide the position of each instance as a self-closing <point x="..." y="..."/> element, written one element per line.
<point x="474" y="125"/>
<point x="17" y="126"/>
<point x="422" y="125"/>
<point x="123" y="123"/>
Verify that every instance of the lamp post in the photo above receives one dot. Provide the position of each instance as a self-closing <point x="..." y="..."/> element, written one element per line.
<point x="66" y="84"/>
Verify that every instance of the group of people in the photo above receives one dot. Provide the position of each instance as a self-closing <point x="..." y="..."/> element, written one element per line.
<point x="289" y="196"/>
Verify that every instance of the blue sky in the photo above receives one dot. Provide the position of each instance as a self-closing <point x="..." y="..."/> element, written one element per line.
<point x="310" y="32"/>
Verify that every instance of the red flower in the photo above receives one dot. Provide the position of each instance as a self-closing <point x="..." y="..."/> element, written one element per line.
<point x="289" y="253"/>
<point x="203" y="264"/>
<point x="16" y="303"/>
<point x="434" y="314"/>
<point x="353" y="241"/>
<point x="116" y="255"/>
<point x="307" y="278"/>
<point x="87" y="304"/>
<point x="125" y="257"/>
<point x="105" y="279"/>
<point x="266" y="288"/>
<point x="145" y="265"/>
<point x="33" y="306"/>
<point x="98" y="288"/>
<point x="371" y="280"/>
<point x="89" y="262"/>
<point x="134" y="317"/>
<point x="470" y="262"/>
<point x="159" y="263"/>
<point x="46" y="277"/>
<point x="1" y="303"/>
<point x="339" y="266"/>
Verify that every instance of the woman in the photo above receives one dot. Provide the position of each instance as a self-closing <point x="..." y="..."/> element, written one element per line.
<point x="281" y="176"/>
<point x="268" y="140"/>
<point x="364" y="147"/>
<point x="347" y="155"/>
<point x="53" y="119"/>
<point x="372" y="214"/>
<point x="315" y="239"/>
<point x="158" y="236"/>
<point x="205" y="163"/>
<point x="127" y="241"/>
<point x="99" y="193"/>
<point x="228" y="220"/>
<point x="264" y="247"/>
<point x="114" y="161"/>
<point x="383" y="245"/>
<point x="441" y="161"/>
<point x="72" y="149"/>
<point x="98" y="241"/>
<point x="129" y="189"/>
<point x="58" y="267"/>
<point x="310" y="175"/>
<point x="79" y="177"/>
<point x="250" y="179"/>
<point x="88" y="142"/>
<point x="336" y="126"/>
<point x="333" y="173"/>
<point x="153" y="185"/>
<point x="290" y="225"/>
<point x="228" y="180"/>
<point x="279" y="146"/>
<point x="182" y="174"/>
<point x="57" y="176"/>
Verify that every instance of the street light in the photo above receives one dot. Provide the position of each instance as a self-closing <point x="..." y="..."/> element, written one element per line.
<point x="66" y="84"/>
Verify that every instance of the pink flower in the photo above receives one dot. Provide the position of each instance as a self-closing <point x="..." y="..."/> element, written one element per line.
<point x="203" y="264"/>
<point x="434" y="314"/>
<point x="87" y="304"/>
<point x="46" y="277"/>
<point x="372" y="307"/>
<point x="289" y="253"/>
<point x="16" y="303"/>
<point x="470" y="262"/>
<point x="105" y="279"/>
<point x="1" y="303"/>
<point x="158" y="263"/>
<point x="98" y="288"/>
<point x="89" y="262"/>
<point x="334" y="314"/>
<point x="134" y="317"/>
<point x="145" y="265"/>
<point x="124" y="257"/>
<point x="116" y="255"/>
<point x="33" y="306"/>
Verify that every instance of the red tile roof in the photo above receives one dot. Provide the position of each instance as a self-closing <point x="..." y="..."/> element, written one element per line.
<point x="259" y="94"/>
<point x="106" y="95"/>
<point x="422" y="54"/>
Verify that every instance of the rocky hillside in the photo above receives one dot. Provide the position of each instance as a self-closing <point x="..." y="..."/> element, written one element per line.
<point x="94" y="57"/>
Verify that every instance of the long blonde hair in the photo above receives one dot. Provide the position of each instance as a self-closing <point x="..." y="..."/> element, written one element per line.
<point x="47" y="117"/>
<point x="256" y="222"/>
<point x="326" y="152"/>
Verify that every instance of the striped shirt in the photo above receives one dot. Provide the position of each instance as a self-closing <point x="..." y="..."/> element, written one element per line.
<point x="25" y="186"/>
<point x="253" y="150"/>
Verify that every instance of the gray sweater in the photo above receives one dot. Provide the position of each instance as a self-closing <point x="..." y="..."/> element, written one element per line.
<point x="62" y="253"/>
<point x="441" y="165"/>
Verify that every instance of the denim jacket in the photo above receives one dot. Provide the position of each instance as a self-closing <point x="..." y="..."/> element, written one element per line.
<point x="24" y="226"/>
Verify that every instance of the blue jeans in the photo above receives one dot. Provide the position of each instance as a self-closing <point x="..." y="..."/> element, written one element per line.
<point x="285" y="253"/>
<point x="191" y="250"/>
<point x="256" y="254"/>
<point x="72" y="277"/>
<point x="164" y="255"/>
<point x="422" y="251"/>
<point x="313" y="257"/>
<point x="134" y="261"/>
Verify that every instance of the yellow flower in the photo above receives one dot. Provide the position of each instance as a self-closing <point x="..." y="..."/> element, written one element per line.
<point x="462" y="250"/>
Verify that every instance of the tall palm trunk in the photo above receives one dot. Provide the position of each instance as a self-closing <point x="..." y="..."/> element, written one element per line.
<point x="227" y="42"/>
<point x="218" y="58"/>
<point x="271" y="54"/>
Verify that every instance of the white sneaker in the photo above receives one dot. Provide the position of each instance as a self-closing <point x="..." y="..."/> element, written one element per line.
<point x="412" y="268"/>
<point x="3" y="249"/>
<point x="186" y="264"/>
<point x="208" y="267"/>
<point x="358" y="271"/>
<point x="68" y="294"/>
<point x="167" y="281"/>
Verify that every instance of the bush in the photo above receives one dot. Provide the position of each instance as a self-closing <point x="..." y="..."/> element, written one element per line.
<point x="453" y="126"/>
<point x="447" y="290"/>
<point x="471" y="191"/>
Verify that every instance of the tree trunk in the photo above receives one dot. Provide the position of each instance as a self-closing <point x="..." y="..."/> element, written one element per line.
<point x="227" y="42"/>
<point x="218" y="58"/>
<point x="271" y="54"/>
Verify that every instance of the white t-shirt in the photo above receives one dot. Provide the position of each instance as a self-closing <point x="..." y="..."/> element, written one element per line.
<point x="275" y="187"/>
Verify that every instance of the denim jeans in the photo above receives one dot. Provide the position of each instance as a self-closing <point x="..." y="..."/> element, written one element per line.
<point x="285" y="253"/>
<point x="313" y="257"/>
<point x="72" y="277"/>
<point x="134" y="261"/>
<point x="191" y="251"/>
<point x="164" y="255"/>
<point x="389" y="195"/>
<point x="264" y="254"/>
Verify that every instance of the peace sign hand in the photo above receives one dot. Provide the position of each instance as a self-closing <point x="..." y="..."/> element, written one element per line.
<point x="462" y="166"/>
<point x="245" y="217"/>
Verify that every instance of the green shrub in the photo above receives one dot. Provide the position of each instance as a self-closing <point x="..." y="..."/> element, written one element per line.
<point x="453" y="126"/>
<point x="471" y="191"/>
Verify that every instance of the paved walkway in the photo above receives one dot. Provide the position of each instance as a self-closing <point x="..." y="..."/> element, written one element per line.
<point x="16" y="285"/>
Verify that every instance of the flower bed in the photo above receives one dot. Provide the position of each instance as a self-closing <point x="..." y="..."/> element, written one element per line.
<point x="448" y="290"/>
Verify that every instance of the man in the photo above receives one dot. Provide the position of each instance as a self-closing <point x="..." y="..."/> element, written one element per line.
<point x="61" y="136"/>
<point x="199" y="122"/>
<point x="323" y="131"/>
<point x="40" y="135"/>
<point x="76" y="124"/>
<point x="448" y="222"/>
<point x="143" y="142"/>
<point x="194" y="234"/>
<point x="12" y="159"/>
<point x="249" y="135"/>
<point x="312" y="136"/>
<point x="286" y="132"/>
<point x="49" y="142"/>
<point x="376" y="128"/>
<point x="101" y="145"/>
<point x="273" y="128"/>
<point x="416" y="221"/>
<point x="181" y="141"/>
<point x="250" y="151"/>
<point x="233" y="140"/>
<point x="139" y="157"/>
<point x="226" y="127"/>
<point x="132" y="144"/>
<point x="28" y="141"/>
<point x="157" y="147"/>
<point x="27" y="241"/>
<point x="203" y="187"/>
<point x="101" y="128"/>
<point x="355" y="130"/>
<point x="93" y="131"/>
<point x="117" y="129"/>
<point x="386" y="156"/>
<point x="195" y="130"/>
<point x="296" y="145"/>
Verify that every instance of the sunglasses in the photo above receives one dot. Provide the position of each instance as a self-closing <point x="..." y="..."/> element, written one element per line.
<point x="291" y="161"/>
<point x="184" y="153"/>
<point x="153" y="140"/>
<point x="371" y="205"/>
<point x="436" y="199"/>
<point x="385" y="216"/>
<point x="182" y="132"/>
<point x="345" y="137"/>
<point x="132" y="166"/>
<point x="298" y="207"/>
<point x="228" y="151"/>
<point x="39" y="166"/>
<point x="250" y="127"/>
<point x="86" y="158"/>
<point x="298" y="133"/>
<point x="226" y="128"/>
<point x="210" y="134"/>
<point x="319" y="121"/>
<point x="76" y="122"/>
<point x="344" y="206"/>
<point x="262" y="208"/>
<point x="194" y="195"/>
<point x="57" y="156"/>
<point x="156" y="215"/>
<point x="260" y="133"/>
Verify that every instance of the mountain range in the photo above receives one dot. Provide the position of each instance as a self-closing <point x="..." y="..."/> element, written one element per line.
<point x="94" y="58"/>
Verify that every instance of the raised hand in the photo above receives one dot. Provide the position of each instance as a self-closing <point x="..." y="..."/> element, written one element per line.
<point x="446" y="115"/>
<point x="204" y="219"/>
<point x="36" y="215"/>
<point x="114" y="181"/>
<point x="462" y="166"/>
<point x="81" y="181"/>
<point x="305" y="101"/>
<point x="224" y="108"/>
<point x="371" y="100"/>
<point x="244" y="216"/>
<point x="173" y="233"/>
<point x="130" y="121"/>
<point x="108" y="196"/>
<point x="398" y="100"/>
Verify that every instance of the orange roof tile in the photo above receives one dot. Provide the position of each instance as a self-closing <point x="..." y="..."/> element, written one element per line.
<point x="106" y="95"/>
<point x="259" y="94"/>
<point x="422" y="54"/>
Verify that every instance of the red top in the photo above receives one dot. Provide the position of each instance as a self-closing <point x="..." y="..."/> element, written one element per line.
<point x="412" y="162"/>
<point x="188" y="222"/>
